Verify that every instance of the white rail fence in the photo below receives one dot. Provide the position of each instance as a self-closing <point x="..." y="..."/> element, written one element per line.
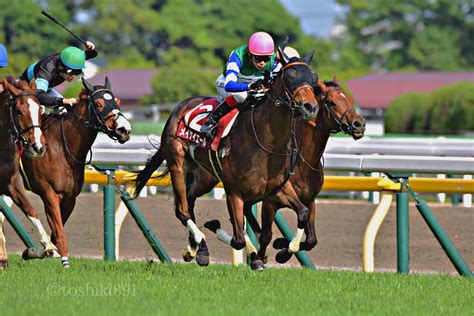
<point x="369" y="155"/>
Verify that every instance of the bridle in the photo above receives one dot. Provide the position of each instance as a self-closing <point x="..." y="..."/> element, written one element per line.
<point x="289" y="94"/>
<point x="341" y="121"/>
<point x="15" y="129"/>
<point x="95" y="120"/>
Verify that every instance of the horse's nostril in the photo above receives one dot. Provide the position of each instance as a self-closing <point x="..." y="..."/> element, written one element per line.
<point x="123" y="130"/>
<point x="357" y="124"/>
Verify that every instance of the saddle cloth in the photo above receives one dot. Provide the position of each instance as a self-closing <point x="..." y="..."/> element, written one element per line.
<point x="190" y="125"/>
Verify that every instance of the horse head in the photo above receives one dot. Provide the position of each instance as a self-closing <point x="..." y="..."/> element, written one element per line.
<point x="24" y="111"/>
<point x="339" y="113"/>
<point x="296" y="83"/>
<point x="104" y="111"/>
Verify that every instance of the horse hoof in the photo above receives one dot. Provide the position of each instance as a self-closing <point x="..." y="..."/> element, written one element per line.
<point x="255" y="262"/>
<point x="34" y="253"/>
<point x="25" y="255"/>
<point x="283" y="256"/>
<point x="202" y="255"/>
<point x="3" y="264"/>
<point x="187" y="257"/>
<point x="257" y="265"/>
<point x="213" y="225"/>
<point x="281" y="243"/>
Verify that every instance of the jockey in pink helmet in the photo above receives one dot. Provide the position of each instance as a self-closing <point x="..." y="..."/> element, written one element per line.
<point x="243" y="71"/>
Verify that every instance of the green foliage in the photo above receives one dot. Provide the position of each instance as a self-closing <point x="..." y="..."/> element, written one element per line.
<point x="73" y="89"/>
<point x="177" y="83"/>
<point x="427" y="34"/>
<point x="448" y="109"/>
<point x="400" y="115"/>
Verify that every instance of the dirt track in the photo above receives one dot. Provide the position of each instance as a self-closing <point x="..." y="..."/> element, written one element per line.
<point x="340" y="227"/>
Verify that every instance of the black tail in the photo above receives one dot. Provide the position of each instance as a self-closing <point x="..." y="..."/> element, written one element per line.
<point x="153" y="163"/>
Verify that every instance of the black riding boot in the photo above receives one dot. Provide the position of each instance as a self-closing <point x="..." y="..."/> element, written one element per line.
<point x="209" y="128"/>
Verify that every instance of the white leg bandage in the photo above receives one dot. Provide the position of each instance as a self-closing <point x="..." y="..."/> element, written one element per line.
<point x="197" y="233"/>
<point x="223" y="236"/>
<point x="295" y="243"/>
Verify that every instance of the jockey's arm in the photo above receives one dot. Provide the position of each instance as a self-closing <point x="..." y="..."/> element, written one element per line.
<point x="231" y="74"/>
<point x="46" y="99"/>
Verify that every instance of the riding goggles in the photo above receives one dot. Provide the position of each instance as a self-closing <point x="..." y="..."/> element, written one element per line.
<point x="75" y="72"/>
<point x="259" y="58"/>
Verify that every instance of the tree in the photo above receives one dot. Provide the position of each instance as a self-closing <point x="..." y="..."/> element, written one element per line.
<point x="425" y="34"/>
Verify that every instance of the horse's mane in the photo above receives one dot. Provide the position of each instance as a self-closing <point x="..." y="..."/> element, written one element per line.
<point x="23" y="85"/>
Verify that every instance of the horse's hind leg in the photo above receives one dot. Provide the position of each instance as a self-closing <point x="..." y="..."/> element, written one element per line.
<point x="58" y="235"/>
<point x="198" y="183"/>
<point x="268" y="215"/>
<point x="174" y="155"/>
<point x="17" y="193"/>
<point x="310" y="229"/>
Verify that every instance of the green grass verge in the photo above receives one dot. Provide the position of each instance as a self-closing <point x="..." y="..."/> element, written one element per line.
<point x="96" y="287"/>
<point x="147" y="128"/>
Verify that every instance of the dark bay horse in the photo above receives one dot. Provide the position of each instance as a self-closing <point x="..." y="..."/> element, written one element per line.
<point x="337" y="114"/>
<point x="255" y="158"/>
<point x="20" y="118"/>
<point x="59" y="176"/>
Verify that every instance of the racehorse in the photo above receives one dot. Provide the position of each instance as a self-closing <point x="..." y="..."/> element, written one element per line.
<point x="337" y="115"/>
<point x="255" y="159"/>
<point x="59" y="176"/>
<point x="20" y="118"/>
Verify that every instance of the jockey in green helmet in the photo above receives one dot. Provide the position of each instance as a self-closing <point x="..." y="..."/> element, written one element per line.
<point x="53" y="70"/>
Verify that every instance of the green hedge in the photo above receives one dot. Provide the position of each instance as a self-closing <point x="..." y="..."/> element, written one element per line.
<point x="447" y="110"/>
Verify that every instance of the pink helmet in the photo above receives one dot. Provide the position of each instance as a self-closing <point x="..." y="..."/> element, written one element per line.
<point x="261" y="43"/>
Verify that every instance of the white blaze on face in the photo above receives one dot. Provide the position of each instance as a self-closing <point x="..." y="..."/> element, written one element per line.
<point x="122" y="121"/>
<point x="35" y="113"/>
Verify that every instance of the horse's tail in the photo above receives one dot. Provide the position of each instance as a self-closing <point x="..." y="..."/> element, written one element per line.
<point x="153" y="163"/>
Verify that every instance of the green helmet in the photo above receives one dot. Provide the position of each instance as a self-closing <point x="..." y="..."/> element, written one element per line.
<point x="73" y="57"/>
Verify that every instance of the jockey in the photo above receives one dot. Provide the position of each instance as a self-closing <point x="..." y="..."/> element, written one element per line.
<point x="243" y="71"/>
<point x="3" y="61"/>
<point x="53" y="70"/>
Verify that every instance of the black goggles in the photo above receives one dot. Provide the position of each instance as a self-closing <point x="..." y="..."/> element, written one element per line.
<point x="71" y="71"/>
<point x="259" y="58"/>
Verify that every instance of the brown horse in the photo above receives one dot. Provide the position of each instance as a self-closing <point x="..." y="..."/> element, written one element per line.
<point x="256" y="157"/>
<point x="337" y="114"/>
<point x="59" y="176"/>
<point x="20" y="114"/>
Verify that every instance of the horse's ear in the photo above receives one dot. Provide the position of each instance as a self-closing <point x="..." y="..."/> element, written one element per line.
<point x="308" y="57"/>
<point x="283" y="56"/>
<point x="322" y="86"/>
<point x="285" y="42"/>
<point x="117" y="100"/>
<point x="335" y="80"/>
<point x="107" y="84"/>
<point x="89" y="87"/>
<point x="10" y="87"/>
<point x="33" y="84"/>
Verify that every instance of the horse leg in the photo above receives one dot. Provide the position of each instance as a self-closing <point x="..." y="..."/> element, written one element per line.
<point x="58" y="235"/>
<point x="176" y="163"/>
<point x="17" y="193"/>
<point x="3" y="249"/>
<point x="290" y="198"/>
<point x="235" y="205"/>
<point x="310" y="229"/>
<point x="268" y="215"/>
<point x="198" y="183"/>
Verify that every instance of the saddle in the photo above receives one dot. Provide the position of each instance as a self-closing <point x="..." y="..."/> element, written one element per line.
<point x="190" y="125"/>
